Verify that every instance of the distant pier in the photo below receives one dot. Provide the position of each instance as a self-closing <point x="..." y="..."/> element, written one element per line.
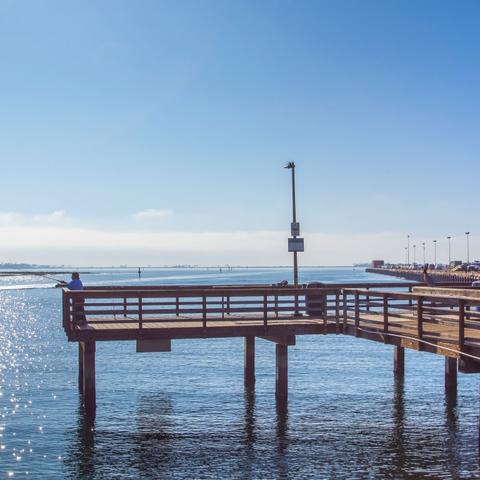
<point x="437" y="276"/>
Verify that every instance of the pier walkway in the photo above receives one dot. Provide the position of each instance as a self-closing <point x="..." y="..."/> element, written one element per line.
<point x="436" y="276"/>
<point x="444" y="320"/>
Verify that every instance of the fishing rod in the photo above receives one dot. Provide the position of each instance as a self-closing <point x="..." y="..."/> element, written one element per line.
<point x="51" y="278"/>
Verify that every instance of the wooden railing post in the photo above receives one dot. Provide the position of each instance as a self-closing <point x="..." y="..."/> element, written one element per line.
<point x="367" y="298"/>
<point x="324" y="311"/>
<point x="276" y="306"/>
<point x="204" y="311"/>
<point x="177" y="306"/>
<point x="357" y="312"/>
<point x="385" y="316"/>
<point x="461" y="324"/>
<point x="337" y="311"/>
<point x="420" y="317"/>
<point x="125" y="307"/>
<point x="297" y="311"/>
<point x="265" y="311"/>
<point x="345" y="310"/>
<point x="140" y="313"/>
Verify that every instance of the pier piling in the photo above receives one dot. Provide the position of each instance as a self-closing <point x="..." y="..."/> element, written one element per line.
<point x="249" y="364"/>
<point x="80" y="367"/>
<point x="281" y="384"/>
<point x="399" y="361"/>
<point x="89" y="391"/>
<point x="450" y="374"/>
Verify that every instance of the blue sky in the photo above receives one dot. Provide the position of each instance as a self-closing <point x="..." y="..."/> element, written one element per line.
<point x="187" y="111"/>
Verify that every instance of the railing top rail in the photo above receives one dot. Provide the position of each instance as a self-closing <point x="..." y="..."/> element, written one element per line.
<point x="218" y="292"/>
<point x="414" y="296"/>
<point x="109" y="291"/>
<point x="396" y="283"/>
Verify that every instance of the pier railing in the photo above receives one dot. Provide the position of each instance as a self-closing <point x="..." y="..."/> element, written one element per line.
<point x="189" y="303"/>
<point x="125" y="306"/>
<point x="437" y="319"/>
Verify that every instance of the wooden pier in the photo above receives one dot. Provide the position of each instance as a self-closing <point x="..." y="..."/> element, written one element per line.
<point x="435" y="276"/>
<point x="444" y="321"/>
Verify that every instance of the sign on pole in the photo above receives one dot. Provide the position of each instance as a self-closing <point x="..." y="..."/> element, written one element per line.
<point x="295" y="229"/>
<point x="295" y="245"/>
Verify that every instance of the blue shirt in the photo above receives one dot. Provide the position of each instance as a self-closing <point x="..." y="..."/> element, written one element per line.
<point x="75" y="284"/>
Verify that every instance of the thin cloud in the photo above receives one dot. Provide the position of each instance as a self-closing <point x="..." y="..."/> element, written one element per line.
<point x="57" y="217"/>
<point x="67" y="244"/>
<point x="152" y="214"/>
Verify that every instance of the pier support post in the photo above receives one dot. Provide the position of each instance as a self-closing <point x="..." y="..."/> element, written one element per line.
<point x="281" y="384"/>
<point x="80" y="367"/>
<point x="450" y="374"/>
<point x="89" y="391"/>
<point x="399" y="361"/>
<point x="249" y="363"/>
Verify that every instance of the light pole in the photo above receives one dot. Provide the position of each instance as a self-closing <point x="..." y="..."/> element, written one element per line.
<point x="435" y="253"/>
<point x="423" y="245"/>
<point x="449" y="250"/>
<point x="291" y="166"/>
<point x="468" y="246"/>
<point x="414" y="254"/>
<point x="408" y="250"/>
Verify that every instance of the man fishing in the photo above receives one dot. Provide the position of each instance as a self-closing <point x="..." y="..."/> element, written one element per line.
<point x="74" y="284"/>
<point x="78" y="302"/>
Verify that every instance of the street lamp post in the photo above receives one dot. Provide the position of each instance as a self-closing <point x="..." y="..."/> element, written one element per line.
<point x="408" y="250"/>
<point x="449" y="250"/>
<point x="414" y="255"/>
<point x="435" y="253"/>
<point x="423" y="245"/>
<point x="291" y="166"/>
<point x="468" y="246"/>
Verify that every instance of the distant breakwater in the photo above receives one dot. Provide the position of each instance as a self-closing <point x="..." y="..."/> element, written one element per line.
<point x="437" y="276"/>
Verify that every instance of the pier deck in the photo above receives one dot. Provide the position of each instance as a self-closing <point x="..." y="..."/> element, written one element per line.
<point x="183" y="326"/>
<point x="444" y="321"/>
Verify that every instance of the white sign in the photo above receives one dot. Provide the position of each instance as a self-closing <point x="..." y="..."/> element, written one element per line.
<point x="295" y="229"/>
<point x="295" y="245"/>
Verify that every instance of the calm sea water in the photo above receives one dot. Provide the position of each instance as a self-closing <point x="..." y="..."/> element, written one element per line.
<point x="185" y="414"/>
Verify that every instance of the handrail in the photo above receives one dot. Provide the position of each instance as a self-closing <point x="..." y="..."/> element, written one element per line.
<point x="337" y="308"/>
<point x="413" y="295"/>
<point x="218" y="292"/>
<point x="139" y="305"/>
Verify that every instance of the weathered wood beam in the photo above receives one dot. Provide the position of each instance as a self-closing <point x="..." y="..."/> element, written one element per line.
<point x="286" y="340"/>
<point x="198" y="332"/>
<point x="467" y="365"/>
